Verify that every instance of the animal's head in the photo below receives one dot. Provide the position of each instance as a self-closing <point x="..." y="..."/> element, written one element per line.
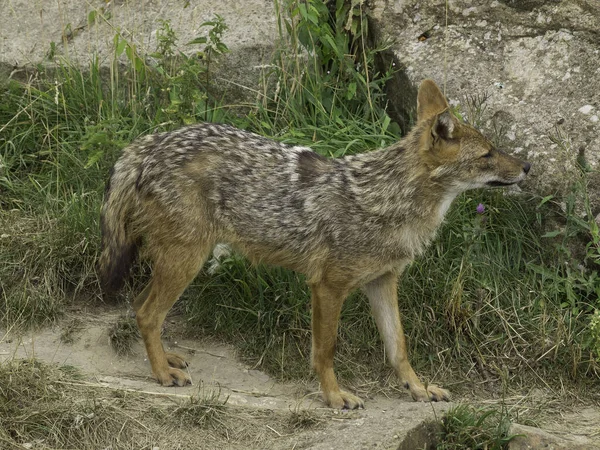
<point x="456" y="153"/>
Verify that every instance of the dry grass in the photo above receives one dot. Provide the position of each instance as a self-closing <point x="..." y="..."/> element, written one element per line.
<point x="123" y="334"/>
<point x="53" y="407"/>
<point x="41" y="407"/>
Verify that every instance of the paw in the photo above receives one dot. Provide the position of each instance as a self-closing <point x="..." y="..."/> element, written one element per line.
<point x="433" y="393"/>
<point x="342" y="400"/>
<point x="173" y="377"/>
<point x="176" y="360"/>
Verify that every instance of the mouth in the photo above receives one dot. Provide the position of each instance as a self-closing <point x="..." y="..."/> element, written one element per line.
<point x="499" y="183"/>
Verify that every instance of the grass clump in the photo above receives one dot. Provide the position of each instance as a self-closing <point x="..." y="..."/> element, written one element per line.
<point x="60" y="133"/>
<point x="70" y="330"/>
<point x="205" y="409"/>
<point x="304" y="419"/>
<point x="123" y="334"/>
<point x="47" y="406"/>
<point x="468" y="428"/>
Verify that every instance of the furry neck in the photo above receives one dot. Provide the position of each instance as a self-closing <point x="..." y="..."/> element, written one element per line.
<point x="395" y="183"/>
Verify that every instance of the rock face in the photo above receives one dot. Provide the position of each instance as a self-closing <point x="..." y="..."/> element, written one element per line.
<point x="536" y="61"/>
<point x="27" y="29"/>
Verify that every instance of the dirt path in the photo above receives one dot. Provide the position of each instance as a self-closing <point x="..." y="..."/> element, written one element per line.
<point x="383" y="424"/>
<point x="265" y="404"/>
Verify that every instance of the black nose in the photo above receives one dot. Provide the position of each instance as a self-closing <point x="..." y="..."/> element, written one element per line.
<point x="526" y="167"/>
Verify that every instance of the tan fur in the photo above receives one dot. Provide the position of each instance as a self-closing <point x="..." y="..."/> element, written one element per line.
<point x="347" y="223"/>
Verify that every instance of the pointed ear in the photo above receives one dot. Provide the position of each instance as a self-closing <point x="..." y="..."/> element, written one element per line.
<point x="430" y="101"/>
<point x="443" y="126"/>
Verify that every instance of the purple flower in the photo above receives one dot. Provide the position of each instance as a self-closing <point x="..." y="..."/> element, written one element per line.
<point x="480" y="208"/>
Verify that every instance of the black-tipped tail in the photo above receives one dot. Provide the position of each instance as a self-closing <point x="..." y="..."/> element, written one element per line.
<point x="119" y="248"/>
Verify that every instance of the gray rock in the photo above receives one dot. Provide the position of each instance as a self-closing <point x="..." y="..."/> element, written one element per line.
<point x="537" y="61"/>
<point x="28" y="28"/>
<point x="530" y="438"/>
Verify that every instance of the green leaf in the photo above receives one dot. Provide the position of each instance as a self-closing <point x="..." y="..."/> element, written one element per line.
<point x="303" y="12"/>
<point x="120" y="45"/>
<point x="94" y="158"/>
<point x="386" y="123"/>
<point x="546" y="199"/>
<point x="92" y="17"/>
<point x="351" y="92"/>
<point x="222" y="48"/>
<point x="198" y="40"/>
<point x="130" y="52"/>
<point x="551" y="234"/>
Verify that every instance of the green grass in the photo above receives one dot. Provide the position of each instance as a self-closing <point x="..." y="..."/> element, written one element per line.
<point x="476" y="304"/>
<point x="506" y="297"/>
<point x="466" y="427"/>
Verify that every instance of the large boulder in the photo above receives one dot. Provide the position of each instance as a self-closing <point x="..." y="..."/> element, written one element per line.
<point x="536" y="61"/>
<point x="28" y="29"/>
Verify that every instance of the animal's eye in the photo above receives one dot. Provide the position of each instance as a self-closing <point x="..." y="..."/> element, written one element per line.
<point x="487" y="155"/>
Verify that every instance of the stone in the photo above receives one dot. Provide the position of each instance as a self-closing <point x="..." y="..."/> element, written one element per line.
<point x="530" y="438"/>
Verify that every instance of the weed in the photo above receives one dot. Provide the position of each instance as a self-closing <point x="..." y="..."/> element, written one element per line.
<point x="184" y="84"/>
<point x="206" y="409"/>
<point x="31" y="292"/>
<point x="467" y="427"/>
<point x="53" y="165"/>
<point x="123" y="334"/>
<point x="70" y="329"/>
<point x="476" y="106"/>
<point x="304" y="419"/>
<point x="327" y="90"/>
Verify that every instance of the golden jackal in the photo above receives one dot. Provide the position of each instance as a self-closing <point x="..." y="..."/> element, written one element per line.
<point x="347" y="223"/>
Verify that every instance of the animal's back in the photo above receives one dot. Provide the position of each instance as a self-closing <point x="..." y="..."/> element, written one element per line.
<point x="266" y="197"/>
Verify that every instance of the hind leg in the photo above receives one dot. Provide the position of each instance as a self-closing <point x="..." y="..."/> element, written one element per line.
<point x="175" y="266"/>
<point x="174" y="359"/>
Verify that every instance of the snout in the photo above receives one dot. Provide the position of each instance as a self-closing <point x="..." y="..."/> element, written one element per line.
<point x="526" y="166"/>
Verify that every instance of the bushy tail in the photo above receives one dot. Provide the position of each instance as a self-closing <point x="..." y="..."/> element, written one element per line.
<point x="119" y="246"/>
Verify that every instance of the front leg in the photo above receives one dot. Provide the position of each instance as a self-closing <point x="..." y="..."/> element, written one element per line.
<point x="326" y="307"/>
<point x="383" y="297"/>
